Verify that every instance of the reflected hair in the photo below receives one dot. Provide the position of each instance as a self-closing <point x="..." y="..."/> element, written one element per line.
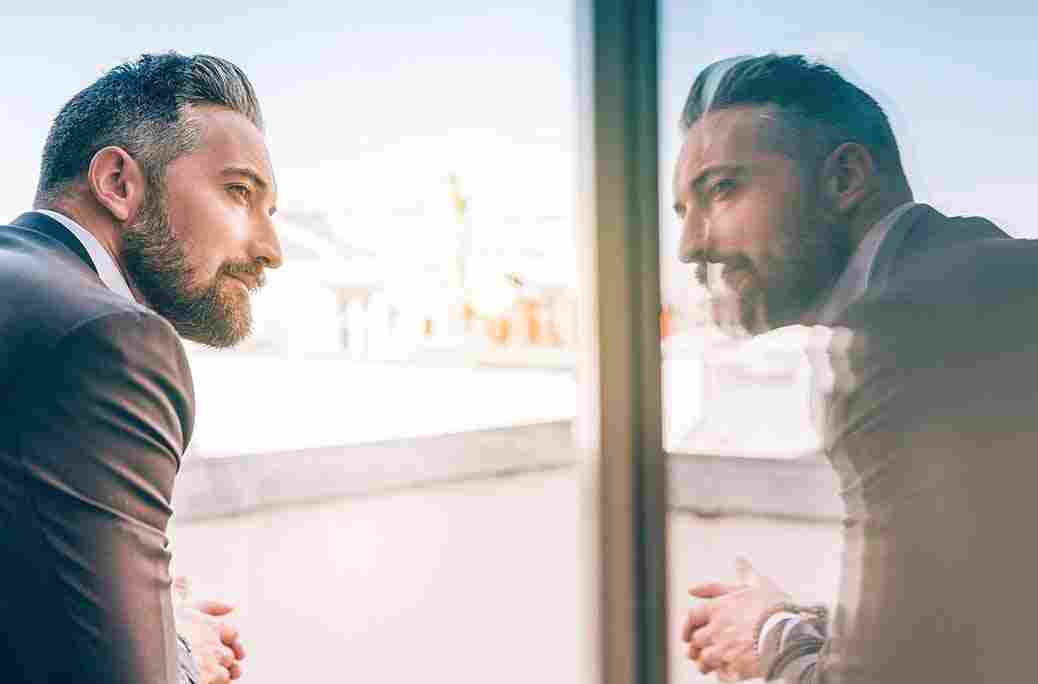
<point x="817" y="108"/>
<point x="141" y="106"/>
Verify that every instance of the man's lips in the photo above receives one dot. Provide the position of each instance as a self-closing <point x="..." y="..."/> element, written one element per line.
<point x="734" y="275"/>
<point x="251" y="282"/>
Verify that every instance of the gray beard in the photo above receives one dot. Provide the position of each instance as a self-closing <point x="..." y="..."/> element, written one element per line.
<point x="156" y="261"/>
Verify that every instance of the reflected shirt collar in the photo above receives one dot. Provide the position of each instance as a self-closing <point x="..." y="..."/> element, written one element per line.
<point x="107" y="270"/>
<point x="855" y="279"/>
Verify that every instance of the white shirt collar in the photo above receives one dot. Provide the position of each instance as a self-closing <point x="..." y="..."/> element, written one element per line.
<point x="854" y="280"/>
<point x="109" y="273"/>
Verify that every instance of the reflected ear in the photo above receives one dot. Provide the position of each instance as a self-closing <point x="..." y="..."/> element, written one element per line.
<point x="116" y="181"/>
<point x="848" y="171"/>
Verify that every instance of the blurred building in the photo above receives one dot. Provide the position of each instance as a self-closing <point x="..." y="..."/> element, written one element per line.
<point x="421" y="284"/>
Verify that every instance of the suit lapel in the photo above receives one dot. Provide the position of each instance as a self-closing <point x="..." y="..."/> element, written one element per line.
<point x="924" y="228"/>
<point x="919" y="216"/>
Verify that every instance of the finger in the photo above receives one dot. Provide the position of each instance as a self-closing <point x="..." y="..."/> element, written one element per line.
<point x="693" y="652"/>
<point x="746" y="572"/>
<point x="712" y="658"/>
<point x="215" y="608"/>
<point x="703" y="637"/>
<point x="713" y="590"/>
<point x="221" y="675"/>
<point x="239" y="650"/>
<point x="697" y="617"/>
<point x="182" y="587"/>
<point x="228" y="633"/>
<point x="704" y="667"/>
<point x="225" y="656"/>
<point x="733" y="654"/>
<point x="235" y="671"/>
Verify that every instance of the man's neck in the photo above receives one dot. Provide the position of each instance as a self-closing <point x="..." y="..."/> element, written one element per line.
<point x="874" y="210"/>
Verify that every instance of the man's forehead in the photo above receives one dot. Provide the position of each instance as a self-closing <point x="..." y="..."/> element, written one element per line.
<point x="231" y="139"/>
<point x="729" y="135"/>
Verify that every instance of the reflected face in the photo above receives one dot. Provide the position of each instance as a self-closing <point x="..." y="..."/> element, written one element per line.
<point x="752" y="220"/>
<point x="202" y="240"/>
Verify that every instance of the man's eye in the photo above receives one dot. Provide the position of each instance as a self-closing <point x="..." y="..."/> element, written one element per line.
<point x="242" y="191"/>
<point x="722" y="189"/>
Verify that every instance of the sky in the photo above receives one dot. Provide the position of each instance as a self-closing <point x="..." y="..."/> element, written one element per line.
<point x="371" y="105"/>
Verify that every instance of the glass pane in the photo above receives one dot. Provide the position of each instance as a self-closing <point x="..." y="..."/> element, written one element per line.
<point x="425" y="173"/>
<point x="937" y="127"/>
<point x="424" y="158"/>
<point x="959" y="93"/>
<point x="428" y="283"/>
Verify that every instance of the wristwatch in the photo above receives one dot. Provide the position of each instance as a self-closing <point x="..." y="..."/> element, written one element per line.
<point x="816" y="612"/>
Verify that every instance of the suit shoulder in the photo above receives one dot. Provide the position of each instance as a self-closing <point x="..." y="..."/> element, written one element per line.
<point x="980" y="294"/>
<point x="123" y="354"/>
<point x="51" y="295"/>
<point x="48" y="290"/>
<point x="981" y="270"/>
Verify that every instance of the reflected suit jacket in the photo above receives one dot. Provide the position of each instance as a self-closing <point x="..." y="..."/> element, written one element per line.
<point x="932" y="427"/>
<point x="96" y="407"/>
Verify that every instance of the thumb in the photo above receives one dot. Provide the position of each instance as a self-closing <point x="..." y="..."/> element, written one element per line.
<point x="181" y="587"/>
<point x="713" y="590"/>
<point x="745" y="573"/>
<point x="214" y="608"/>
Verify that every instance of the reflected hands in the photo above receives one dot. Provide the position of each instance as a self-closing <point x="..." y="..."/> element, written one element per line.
<point x="719" y="630"/>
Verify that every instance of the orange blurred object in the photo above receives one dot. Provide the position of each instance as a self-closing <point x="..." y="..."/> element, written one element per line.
<point x="666" y="322"/>
<point x="499" y="329"/>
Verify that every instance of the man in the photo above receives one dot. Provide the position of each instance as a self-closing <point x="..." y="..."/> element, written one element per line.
<point x="796" y="209"/>
<point x="152" y="218"/>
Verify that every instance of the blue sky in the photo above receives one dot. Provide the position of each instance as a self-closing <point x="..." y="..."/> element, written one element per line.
<point x="367" y="104"/>
<point x="370" y="105"/>
<point x="958" y="84"/>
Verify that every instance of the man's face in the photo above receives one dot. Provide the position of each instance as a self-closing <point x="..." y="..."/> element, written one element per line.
<point x="754" y="216"/>
<point x="202" y="240"/>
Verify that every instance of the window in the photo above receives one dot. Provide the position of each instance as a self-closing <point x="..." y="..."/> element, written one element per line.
<point x="965" y="148"/>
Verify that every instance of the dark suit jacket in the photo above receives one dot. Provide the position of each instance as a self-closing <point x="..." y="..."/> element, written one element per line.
<point x="933" y="429"/>
<point x="97" y="407"/>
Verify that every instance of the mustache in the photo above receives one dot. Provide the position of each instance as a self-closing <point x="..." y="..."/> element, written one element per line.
<point x="254" y="269"/>
<point x="704" y="274"/>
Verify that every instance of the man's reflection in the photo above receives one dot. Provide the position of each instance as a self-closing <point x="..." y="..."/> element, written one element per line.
<point x="795" y="209"/>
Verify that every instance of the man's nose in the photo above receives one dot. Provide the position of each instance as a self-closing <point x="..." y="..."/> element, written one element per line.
<point x="694" y="239"/>
<point x="266" y="247"/>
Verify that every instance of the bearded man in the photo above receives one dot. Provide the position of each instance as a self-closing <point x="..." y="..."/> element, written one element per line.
<point x="152" y="219"/>
<point x="796" y="209"/>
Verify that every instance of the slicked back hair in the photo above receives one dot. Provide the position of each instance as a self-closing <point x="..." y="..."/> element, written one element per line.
<point x="817" y="108"/>
<point x="140" y="107"/>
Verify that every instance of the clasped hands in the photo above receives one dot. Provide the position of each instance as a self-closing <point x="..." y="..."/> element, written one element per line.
<point x="215" y="642"/>
<point x="719" y="629"/>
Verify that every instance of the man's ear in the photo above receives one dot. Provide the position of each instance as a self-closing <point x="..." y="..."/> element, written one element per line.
<point x="116" y="181"/>
<point x="849" y="172"/>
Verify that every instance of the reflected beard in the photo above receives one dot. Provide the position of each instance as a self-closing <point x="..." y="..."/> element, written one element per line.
<point x="209" y="314"/>
<point x="810" y="259"/>
<point x="814" y="256"/>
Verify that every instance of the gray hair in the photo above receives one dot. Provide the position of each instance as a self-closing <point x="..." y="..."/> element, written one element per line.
<point x="141" y="107"/>
<point x="817" y="108"/>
